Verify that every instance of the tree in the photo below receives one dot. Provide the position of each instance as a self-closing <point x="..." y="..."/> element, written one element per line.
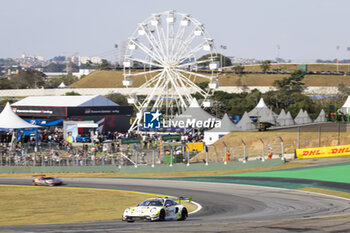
<point x="203" y="85"/>
<point x="265" y="66"/>
<point x="71" y="93"/>
<point x="225" y="60"/>
<point x="206" y="59"/>
<point x="5" y="83"/>
<point x="28" y="79"/>
<point x="55" y="67"/>
<point x="104" y="65"/>
<point x="66" y="79"/>
<point x="343" y="91"/>
<point x="291" y="101"/>
<point x="118" y="99"/>
<point x="292" y="83"/>
<point x="238" y="69"/>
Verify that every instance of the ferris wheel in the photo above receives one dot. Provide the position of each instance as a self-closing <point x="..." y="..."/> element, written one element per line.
<point x="163" y="54"/>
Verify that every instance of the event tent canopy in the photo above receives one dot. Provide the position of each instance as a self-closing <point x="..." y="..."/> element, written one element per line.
<point x="226" y="125"/>
<point x="66" y="101"/>
<point x="260" y="109"/>
<point x="267" y="117"/>
<point x="9" y="120"/>
<point x="62" y="85"/>
<point x="281" y="116"/>
<point x="288" y="120"/>
<point x="302" y="117"/>
<point x="246" y="123"/>
<point x="346" y="107"/>
<point x="321" y="117"/>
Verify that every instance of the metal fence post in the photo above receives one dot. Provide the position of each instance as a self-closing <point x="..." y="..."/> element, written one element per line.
<point x="171" y="157"/>
<point x="244" y="151"/>
<point x="207" y="156"/>
<point x="282" y="148"/>
<point x="262" y="150"/>
<point x="153" y="158"/>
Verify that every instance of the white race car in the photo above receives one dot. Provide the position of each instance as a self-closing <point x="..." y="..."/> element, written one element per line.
<point x="156" y="209"/>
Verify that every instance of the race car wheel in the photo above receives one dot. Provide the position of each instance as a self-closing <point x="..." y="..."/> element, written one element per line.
<point x="184" y="214"/>
<point x="34" y="184"/>
<point x="162" y="215"/>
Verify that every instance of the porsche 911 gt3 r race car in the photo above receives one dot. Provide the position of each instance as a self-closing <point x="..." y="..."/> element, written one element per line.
<point x="156" y="209"/>
<point x="46" y="181"/>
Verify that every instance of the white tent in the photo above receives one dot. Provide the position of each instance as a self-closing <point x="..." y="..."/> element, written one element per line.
<point x="10" y="120"/>
<point x="261" y="109"/>
<point x="66" y="101"/>
<point x="288" y="120"/>
<point x="62" y="85"/>
<point x="280" y="118"/>
<point x="302" y="117"/>
<point x="321" y="117"/>
<point x="307" y="118"/>
<point x="227" y="126"/>
<point x="194" y="113"/>
<point x="346" y="107"/>
<point x="267" y="117"/>
<point x="246" y="123"/>
<point x="299" y="118"/>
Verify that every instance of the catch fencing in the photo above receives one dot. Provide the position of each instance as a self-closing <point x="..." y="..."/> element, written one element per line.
<point x="259" y="146"/>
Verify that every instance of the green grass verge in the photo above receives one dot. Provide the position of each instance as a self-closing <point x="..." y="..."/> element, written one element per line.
<point x="23" y="205"/>
<point x="332" y="173"/>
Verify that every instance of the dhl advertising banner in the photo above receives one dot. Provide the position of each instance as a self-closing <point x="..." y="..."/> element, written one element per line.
<point x="321" y="152"/>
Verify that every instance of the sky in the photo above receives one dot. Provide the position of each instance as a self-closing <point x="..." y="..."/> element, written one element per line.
<point x="303" y="30"/>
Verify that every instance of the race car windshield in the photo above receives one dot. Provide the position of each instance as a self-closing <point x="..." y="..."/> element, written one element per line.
<point x="49" y="178"/>
<point x="152" y="203"/>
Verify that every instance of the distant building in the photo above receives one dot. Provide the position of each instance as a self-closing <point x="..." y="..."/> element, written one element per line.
<point x="84" y="59"/>
<point x="96" y="60"/>
<point x="77" y="74"/>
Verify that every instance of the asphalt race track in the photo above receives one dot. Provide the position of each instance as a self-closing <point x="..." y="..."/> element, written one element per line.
<point x="226" y="208"/>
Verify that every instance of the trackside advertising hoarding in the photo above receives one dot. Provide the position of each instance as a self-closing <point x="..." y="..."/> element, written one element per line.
<point x="321" y="152"/>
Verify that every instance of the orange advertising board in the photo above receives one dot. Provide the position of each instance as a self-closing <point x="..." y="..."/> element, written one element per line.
<point x="321" y="152"/>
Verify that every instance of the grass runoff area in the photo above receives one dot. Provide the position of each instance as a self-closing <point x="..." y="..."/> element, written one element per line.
<point x="23" y="205"/>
